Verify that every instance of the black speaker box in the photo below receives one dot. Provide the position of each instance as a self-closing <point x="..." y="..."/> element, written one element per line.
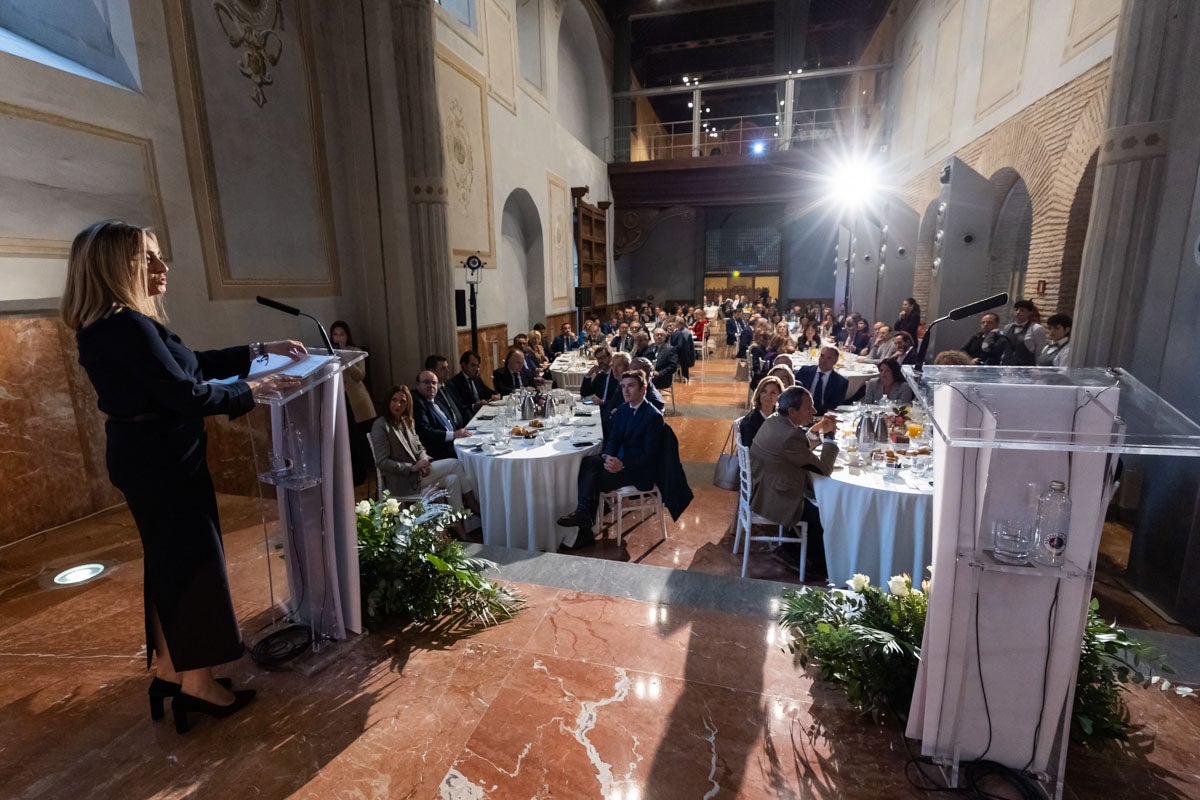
<point x="583" y="296"/>
<point x="460" y="307"/>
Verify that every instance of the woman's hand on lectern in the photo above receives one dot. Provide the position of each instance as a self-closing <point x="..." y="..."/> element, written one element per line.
<point x="273" y="384"/>
<point x="287" y="347"/>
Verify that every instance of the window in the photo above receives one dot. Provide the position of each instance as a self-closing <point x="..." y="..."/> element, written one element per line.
<point x="91" y="38"/>
<point x="529" y="40"/>
<point x="461" y="10"/>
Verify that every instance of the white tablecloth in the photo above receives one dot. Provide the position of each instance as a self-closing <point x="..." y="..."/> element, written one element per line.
<point x="875" y="526"/>
<point x="856" y="374"/>
<point x="523" y="493"/>
<point x="568" y="373"/>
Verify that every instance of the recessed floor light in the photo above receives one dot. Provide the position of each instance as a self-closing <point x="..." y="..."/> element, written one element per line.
<point x="79" y="574"/>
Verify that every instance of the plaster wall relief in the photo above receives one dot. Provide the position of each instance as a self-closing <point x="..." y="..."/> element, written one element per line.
<point x="945" y="78"/>
<point x="60" y="174"/>
<point x="250" y="26"/>
<point x="1005" y="40"/>
<point x="462" y="102"/>
<point x="260" y="180"/>
<point x="501" y="55"/>
<point x="561" y="262"/>
<point x="1091" y="20"/>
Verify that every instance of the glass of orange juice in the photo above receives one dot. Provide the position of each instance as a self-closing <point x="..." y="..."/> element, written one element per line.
<point x="915" y="429"/>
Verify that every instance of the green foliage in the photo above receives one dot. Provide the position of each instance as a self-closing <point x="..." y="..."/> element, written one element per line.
<point x="869" y="642"/>
<point x="410" y="566"/>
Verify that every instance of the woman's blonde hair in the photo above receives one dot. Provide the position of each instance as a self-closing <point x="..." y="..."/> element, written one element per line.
<point x="107" y="270"/>
<point x="770" y="380"/>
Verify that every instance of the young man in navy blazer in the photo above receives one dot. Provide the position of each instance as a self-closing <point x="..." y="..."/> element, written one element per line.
<point x="630" y="458"/>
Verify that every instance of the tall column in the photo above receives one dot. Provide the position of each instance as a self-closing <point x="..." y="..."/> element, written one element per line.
<point x="623" y="116"/>
<point x="1140" y="278"/>
<point x="425" y="175"/>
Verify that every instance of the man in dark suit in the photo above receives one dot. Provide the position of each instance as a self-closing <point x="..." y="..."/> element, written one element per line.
<point x="631" y="457"/>
<point x="448" y="398"/>
<point x="780" y="458"/>
<point x="663" y="357"/>
<point x="472" y="391"/>
<point x="827" y="387"/>
<point x="567" y="340"/>
<point x="733" y="327"/>
<point x="622" y="340"/>
<point x="599" y="384"/>
<point x="515" y="374"/>
<point x="434" y="420"/>
<point x="680" y="337"/>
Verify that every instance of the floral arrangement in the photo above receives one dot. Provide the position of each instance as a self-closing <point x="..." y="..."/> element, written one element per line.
<point x="410" y="566"/>
<point x="869" y="642"/>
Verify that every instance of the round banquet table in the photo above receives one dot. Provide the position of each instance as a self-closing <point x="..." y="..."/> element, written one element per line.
<point x="856" y="374"/>
<point x="523" y="493"/>
<point x="568" y="372"/>
<point x="875" y="525"/>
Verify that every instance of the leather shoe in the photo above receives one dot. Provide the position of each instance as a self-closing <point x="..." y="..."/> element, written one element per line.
<point x="576" y="519"/>
<point x="585" y="538"/>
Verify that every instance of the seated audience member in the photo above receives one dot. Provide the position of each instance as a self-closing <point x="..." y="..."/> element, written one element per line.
<point x="953" y="358"/>
<point x="610" y="327"/>
<point x="431" y="419"/>
<point x="762" y="354"/>
<point x="535" y="353"/>
<point x="664" y="357"/>
<point x="447" y="397"/>
<point x="810" y="337"/>
<point x="622" y="340"/>
<point x="620" y="364"/>
<point x="890" y="385"/>
<point x="784" y="373"/>
<point x="471" y="389"/>
<point x="1057" y="351"/>
<point x="566" y="340"/>
<point x="988" y="345"/>
<point x="881" y="346"/>
<point x="762" y="405"/>
<point x="780" y="459"/>
<point x="515" y="374"/>
<point x="827" y="387"/>
<point x="405" y="466"/>
<point x="592" y="337"/>
<point x="1025" y="334"/>
<point x="644" y="366"/>
<point x="905" y="351"/>
<point x="747" y="336"/>
<point x="631" y="454"/>
<point x="599" y="384"/>
<point x="679" y="336"/>
<point x="857" y="338"/>
<point x="733" y="327"/>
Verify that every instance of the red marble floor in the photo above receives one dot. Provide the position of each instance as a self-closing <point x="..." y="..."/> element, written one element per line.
<point x="580" y="696"/>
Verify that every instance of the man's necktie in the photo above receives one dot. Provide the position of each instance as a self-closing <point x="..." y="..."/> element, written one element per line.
<point x="474" y="389"/>
<point x="517" y="380"/>
<point x="442" y="416"/>
<point x="819" y="392"/>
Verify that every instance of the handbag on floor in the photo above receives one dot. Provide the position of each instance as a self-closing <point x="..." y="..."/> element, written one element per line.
<point x="725" y="476"/>
<point x="743" y="370"/>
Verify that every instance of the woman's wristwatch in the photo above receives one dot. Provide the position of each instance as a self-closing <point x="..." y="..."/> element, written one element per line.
<point x="259" y="350"/>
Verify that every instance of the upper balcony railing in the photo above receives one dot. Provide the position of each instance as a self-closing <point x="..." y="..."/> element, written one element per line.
<point x="792" y="126"/>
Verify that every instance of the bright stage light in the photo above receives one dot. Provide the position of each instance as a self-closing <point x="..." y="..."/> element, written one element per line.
<point x="854" y="183"/>
<point x="757" y="148"/>
<point x="79" y="574"/>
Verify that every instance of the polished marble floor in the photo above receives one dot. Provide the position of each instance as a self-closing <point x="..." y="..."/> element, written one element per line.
<point x="647" y="671"/>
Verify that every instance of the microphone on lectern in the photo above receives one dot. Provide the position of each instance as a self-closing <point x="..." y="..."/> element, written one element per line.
<point x="295" y="312"/>
<point x="962" y="312"/>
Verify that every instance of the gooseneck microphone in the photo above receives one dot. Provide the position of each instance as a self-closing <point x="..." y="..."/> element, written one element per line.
<point x="295" y="312"/>
<point x="962" y="312"/>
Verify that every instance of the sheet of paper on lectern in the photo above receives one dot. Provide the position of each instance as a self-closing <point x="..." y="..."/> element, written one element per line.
<point x="282" y="365"/>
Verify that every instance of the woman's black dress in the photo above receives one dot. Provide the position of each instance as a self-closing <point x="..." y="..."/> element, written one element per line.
<point x="154" y="391"/>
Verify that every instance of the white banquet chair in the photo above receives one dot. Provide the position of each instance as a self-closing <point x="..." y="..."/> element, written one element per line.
<point x="404" y="499"/>
<point x="747" y="519"/>
<point x="630" y="498"/>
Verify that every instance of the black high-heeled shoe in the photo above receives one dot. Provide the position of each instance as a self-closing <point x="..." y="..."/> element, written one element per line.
<point x="184" y="703"/>
<point x="160" y="690"/>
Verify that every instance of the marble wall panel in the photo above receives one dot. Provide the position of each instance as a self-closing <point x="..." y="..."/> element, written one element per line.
<point x="45" y="480"/>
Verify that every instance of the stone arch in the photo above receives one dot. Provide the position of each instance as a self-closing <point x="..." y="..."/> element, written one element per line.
<point x="583" y="95"/>
<point x="522" y="249"/>
<point x="1077" y="228"/>
<point x="1012" y="228"/>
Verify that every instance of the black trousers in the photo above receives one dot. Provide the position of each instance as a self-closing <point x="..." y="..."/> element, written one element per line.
<point x="594" y="479"/>
<point x="816" y="537"/>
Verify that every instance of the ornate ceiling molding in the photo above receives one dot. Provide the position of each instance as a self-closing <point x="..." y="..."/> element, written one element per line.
<point x="250" y="25"/>
<point x="635" y="225"/>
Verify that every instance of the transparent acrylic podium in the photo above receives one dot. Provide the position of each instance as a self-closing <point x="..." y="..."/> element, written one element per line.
<point x="1001" y="643"/>
<point x="308" y="462"/>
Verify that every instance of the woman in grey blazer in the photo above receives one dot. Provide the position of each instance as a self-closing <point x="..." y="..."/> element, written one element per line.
<point x="404" y="466"/>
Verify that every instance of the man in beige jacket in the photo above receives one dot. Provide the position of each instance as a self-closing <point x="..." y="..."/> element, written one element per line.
<point x="781" y="457"/>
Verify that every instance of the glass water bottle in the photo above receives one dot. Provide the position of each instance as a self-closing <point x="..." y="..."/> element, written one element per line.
<point x="1053" y="525"/>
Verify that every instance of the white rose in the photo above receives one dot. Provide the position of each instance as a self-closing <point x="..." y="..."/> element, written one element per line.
<point x="392" y="506"/>
<point x="858" y="582"/>
<point x="925" y="586"/>
<point x="898" y="585"/>
<point x="363" y="508"/>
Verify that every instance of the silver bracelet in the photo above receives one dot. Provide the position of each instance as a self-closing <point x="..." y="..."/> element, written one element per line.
<point x="259" y="349"/>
